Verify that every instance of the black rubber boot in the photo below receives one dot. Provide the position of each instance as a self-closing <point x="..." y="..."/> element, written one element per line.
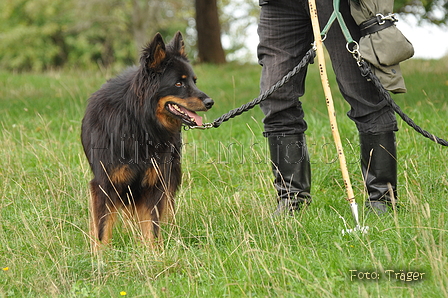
<point x="292" y="172"/>
<point x="379" y="168"/>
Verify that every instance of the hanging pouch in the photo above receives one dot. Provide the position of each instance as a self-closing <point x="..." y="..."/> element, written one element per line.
<point x="384" y="40"/>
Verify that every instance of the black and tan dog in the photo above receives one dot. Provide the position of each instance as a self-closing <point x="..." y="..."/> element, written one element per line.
<point x="131" y="137"/>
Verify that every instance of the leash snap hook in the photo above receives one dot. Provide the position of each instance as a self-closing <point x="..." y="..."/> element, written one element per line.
<point x="354" y="50"/>
<point x="201" y="127"/>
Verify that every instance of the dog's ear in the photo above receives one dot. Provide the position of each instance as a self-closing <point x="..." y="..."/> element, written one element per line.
<point x="154" y="53"/>
<point x="176" y="45"/>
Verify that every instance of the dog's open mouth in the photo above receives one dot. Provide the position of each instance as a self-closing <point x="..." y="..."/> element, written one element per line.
<point x="188" y="117"/>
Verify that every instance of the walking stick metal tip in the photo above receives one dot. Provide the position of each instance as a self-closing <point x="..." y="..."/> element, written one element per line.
<point x="363" y="230"/>
<point x="358" y="227"/>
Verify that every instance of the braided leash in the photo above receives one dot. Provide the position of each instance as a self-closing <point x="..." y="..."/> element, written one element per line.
<point x="308" y="58"/>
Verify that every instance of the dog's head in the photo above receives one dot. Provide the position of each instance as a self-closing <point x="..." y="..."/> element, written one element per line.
<point x="176" y="94"/>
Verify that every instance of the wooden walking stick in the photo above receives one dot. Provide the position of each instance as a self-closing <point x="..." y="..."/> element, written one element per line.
<point x="332" y="115"/>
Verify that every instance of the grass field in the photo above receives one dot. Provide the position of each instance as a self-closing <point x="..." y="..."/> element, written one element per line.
<point x="223" y="242"/>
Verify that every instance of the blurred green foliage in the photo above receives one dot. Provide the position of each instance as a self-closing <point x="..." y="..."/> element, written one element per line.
<point x="43" y="34"/>
<point x="434" y="11"/>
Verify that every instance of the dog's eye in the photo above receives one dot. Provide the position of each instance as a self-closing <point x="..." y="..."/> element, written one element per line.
<point x="179" y="84"/>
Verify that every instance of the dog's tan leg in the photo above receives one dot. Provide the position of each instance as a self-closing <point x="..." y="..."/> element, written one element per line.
<point x="93" y="210"/>
<point x="165" y="209"/>
<point x="102" y="219"/>
<point x="106" y="224"/>
<point x="145" y="220"/>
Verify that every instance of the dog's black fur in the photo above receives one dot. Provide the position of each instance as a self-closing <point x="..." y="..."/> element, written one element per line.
<point x="131" y="137"/>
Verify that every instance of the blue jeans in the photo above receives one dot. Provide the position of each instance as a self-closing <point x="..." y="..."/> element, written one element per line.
<point x="286" y="34"/>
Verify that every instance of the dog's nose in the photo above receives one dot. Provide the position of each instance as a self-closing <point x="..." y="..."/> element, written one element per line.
<point x="208" y="102"/>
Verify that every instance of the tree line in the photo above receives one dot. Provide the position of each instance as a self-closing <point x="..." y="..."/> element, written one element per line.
<point x="44" y="34"/>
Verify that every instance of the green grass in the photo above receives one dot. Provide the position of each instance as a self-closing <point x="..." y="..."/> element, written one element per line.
<point x="223" y="241"/>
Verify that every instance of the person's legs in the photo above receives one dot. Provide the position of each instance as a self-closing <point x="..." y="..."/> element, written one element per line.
<point x="285" y="36"/>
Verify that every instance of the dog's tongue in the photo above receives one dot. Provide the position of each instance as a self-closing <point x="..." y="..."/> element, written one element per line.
<point x="196" y="117"/>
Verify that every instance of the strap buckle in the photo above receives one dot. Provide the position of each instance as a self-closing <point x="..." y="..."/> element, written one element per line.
<point x="381" y="19"/>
